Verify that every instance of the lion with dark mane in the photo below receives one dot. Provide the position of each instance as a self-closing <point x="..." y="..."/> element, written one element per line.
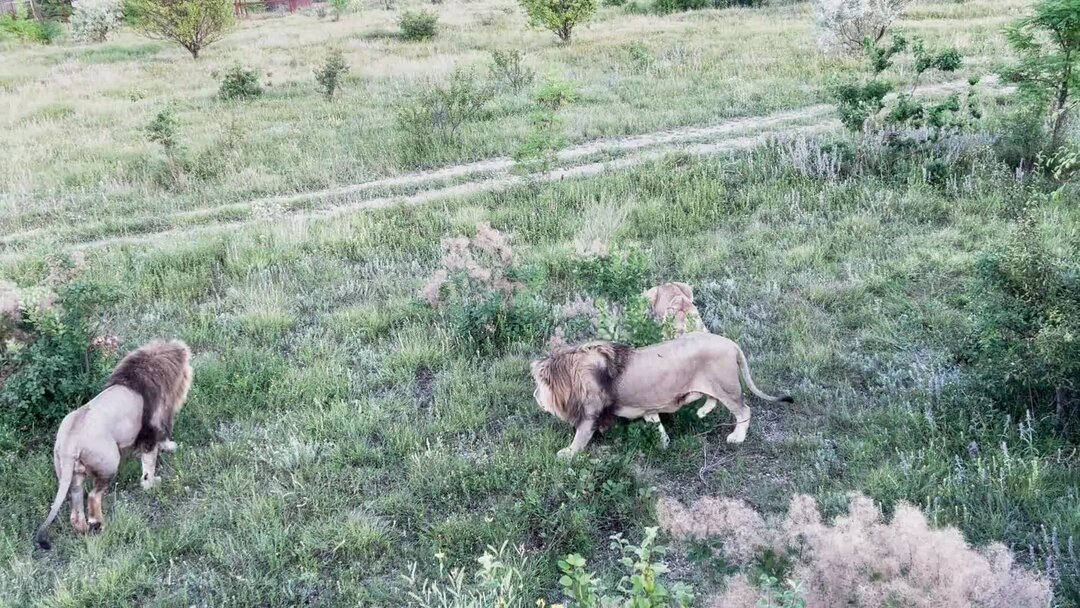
<point x="589" y="384"/>
<point x="135" y="411"/>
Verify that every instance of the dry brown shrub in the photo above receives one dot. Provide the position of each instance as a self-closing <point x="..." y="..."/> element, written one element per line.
<point x="860" y="560"/>
<point x="482" y="263"/>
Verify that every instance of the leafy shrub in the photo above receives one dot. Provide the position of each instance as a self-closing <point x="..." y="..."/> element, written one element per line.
<point x="433" y="116"/>
<point x="240" y="83"/>
<point x="507" y="66"/>
<point x="418" y="25"/>
<point x="1026" y="350"/>
<point x="476" y="288"/>
<point x="193" y="24"/>
<point x="845" y="25"/>
<point x="341" y="7"/>
<point x="498" y="582"/>
<point x="664" y="7"/>
<point x="1021" y="138"/>
<point x="50" y="361"/>
<point x="559" y="16"/>
<point x="642" y="585"/>
<point x="328" y="78"/>
<point x="1048" y="73"/>
<point x="29" y="30"/>
<point x="861" y="102"/>
<point x="541" y="146"/>
<point x="610" y="273"/>
<point x="857" y="560"/>
<point x="92" y="20"/>
<point x="163" y="130"/>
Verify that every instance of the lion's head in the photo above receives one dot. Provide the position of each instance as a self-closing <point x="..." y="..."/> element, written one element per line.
<point x="576" y="382"/>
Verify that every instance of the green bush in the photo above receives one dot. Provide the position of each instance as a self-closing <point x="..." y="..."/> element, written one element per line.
<point x="418" y="25"/>
<point x="52" y="367"/>
<point x="616" y="275"/>
<point x="29" y="30"/>
<point x="559" y="16"/>
<point x="507" y="66"/>
<point x="340" y="7"/>
<point x="1026" y="343"/>
<point x="491" y="323"/>
<point x="434" y="116"/>
<point x="240" y="83"/>
<point x="641" y="585"/>
<point x="328" y="78"/>
<point x="664" y="7"/>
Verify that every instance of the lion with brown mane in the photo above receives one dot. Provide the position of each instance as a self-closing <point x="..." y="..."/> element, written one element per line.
<point x="589" y="384"/>
<point x="135" y="411"/>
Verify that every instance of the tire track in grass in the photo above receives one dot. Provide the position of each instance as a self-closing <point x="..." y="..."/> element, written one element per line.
<point x="457" y="191"/>
<point x="706" y="140"/>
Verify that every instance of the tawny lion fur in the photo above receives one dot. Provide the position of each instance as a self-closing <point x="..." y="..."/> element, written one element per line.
<point x="135" y="411"/>
<point x="586" y="385"/>
<point x="675" y="301"/>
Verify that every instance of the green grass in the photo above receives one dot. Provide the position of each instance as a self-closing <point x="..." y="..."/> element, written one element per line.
<point x="339" y="431"/>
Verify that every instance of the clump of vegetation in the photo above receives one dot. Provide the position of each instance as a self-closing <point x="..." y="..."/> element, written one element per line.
<point x="846" y="25"/>
<point x="539" y="151"/>
<point x="1048" y="72"/>
<point x="92" y="20"/>
<point x="859" y="559"/>
<point x="163" y="130"/>
<point x="1026" y="350"/>
<point x="240" y="83"/>
<point x="641" y="585"/>
<point x="341" y="7"/>
<point x="508" y="67"/>
<point x="559" y="16"/>
<point x="51" y="359"/>
<point x="434" y="116"/>
<point x="21" y="27"/>
<point x="498" y="581"/>
<point x="328" y="78"/>
<point x="193" y="24"/>
<point x="477" y="288"/>
<point x="860" y="103"/>
<point x="418" y="25"/>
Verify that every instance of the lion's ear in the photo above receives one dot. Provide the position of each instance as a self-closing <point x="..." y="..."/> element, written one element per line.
<point x="687" y="291"/>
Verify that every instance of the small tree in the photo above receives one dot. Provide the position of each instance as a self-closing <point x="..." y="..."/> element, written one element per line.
<point x="340" y="7"/>
<point x="240" y="83"/>
<point x="328" y="77"/>
<point x="539" y="151"/>
<point x="193" y="24"/>
<point x="1048" y="44"/>
<point x="162" y="130"/>
<point x="92" y="20"/>
<point x="844" y="25"/>
<point x="559" y="16"/>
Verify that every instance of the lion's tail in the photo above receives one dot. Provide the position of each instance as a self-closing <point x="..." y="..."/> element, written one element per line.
<point x="67" y="471"/>
<point x="744" y="370"/>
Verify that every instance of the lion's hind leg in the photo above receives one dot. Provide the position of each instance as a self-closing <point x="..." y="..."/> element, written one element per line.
<point x="102" y="464"/>
<point x="704" y="410"/>
<point x="665" y="441"/>
<point x="742" y="418"/>
<point x="96" y="508"/>
<point x="76" y="493"/>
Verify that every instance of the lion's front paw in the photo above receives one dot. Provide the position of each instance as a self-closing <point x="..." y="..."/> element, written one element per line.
<point x="565" y="454"/>
<point x="736" y="437"/>
<point x="168" y="446"/>
<point x="150" y="482"/>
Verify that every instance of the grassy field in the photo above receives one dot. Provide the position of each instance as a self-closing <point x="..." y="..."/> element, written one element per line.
<point x="339" y="430"/>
